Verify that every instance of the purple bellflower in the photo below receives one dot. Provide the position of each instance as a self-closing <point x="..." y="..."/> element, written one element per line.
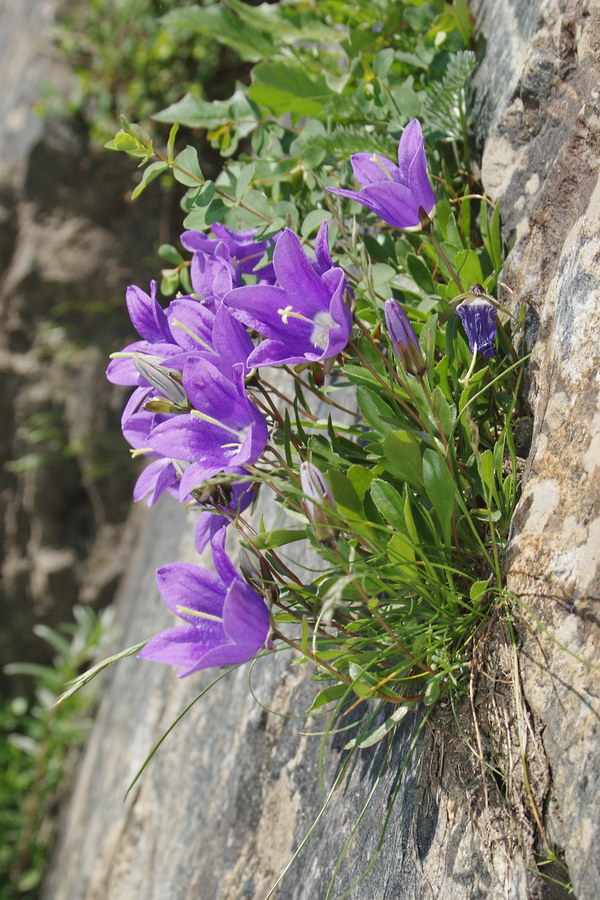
<point x="403" y="338"/>
<point x="478" y="317"/>
<point x="238" y="248"/>
<point x="223" y="432"/>
<point x="396" y="193"/>
<point x="304" y="317"/>
<point x="227" y="620"/>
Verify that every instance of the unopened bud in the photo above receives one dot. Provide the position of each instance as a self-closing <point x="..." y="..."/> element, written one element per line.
<point x="317" y="500"/>
<point x="163" y="380"/>
<point x="403" y="338"/>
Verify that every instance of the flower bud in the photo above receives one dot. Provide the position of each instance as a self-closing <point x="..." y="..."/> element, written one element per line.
<point x="478" y="317"/>
<point x="318" y="497"/>
<point x="162" y="379"/>
<point x="403" y="338"/>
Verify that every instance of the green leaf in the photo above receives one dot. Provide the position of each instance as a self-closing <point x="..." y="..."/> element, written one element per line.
<point x="478" y="591"/>
<point x="374" y="736"/>
<point x="266" y="540"/>
<point x="402" y="457"/>
<point x="288" y="88"/>
<point x="84" y="679"/>
<point x="382" y="63"/>
<point x="259" y="208"/>
<point x="314" y="220"/>
<point x="361" y="479"/>
<point x="389" y="502"/>
<point x="375" y="410"/>
<point x="199" y="219"/>
<point x="222" y="25"/>
<point x="496" y="238"/>
<point x="401" y="550"/>
<point x="440" y="488"/>
<point x="170" y="253"/>
<point x="171" y="141"/>
<point x="186" y="168"/>
<point x="343" y="491"/>
<point x="243" y="180"/>
<point x="420" y="273"/>
<point x="334" y="692"/>
<point x="468" y="267"/>
<point x="150" y="173"/>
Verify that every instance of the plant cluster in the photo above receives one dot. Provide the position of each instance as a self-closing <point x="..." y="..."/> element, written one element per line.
<point x="125" y="61"/>
<point x="37" y="738"/>
<point x="388" y="445"/>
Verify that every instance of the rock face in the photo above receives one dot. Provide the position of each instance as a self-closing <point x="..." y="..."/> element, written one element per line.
<point x="68" y="236"/>
<point x="542" y="156"/>
<point x="234" y="789"/>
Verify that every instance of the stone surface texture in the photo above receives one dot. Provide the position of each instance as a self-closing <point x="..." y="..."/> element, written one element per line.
<point x="234" y="789"/>
<point x="542" y="161"/>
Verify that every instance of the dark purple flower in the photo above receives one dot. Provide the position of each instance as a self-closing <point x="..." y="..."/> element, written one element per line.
<point x="395" y="193"/>
<point x="478" y="317"/>
<point x="403" y="338"/>
<point x="228" y="622"/>
<point x="305" y="317"/>
<point x="223" y="432"/>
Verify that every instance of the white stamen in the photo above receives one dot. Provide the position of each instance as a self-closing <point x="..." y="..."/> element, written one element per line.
<point x="196" y="612"/>
<point x="323" y="322"/>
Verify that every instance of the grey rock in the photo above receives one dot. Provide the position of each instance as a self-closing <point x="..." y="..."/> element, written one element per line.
<point x="234" y="789"/>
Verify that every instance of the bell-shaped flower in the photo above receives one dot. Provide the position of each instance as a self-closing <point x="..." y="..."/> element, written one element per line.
<point x="304" y="317"/>
<point x="227" y="621"/>
<point x="478" y="317"/>
<point x="396" y="193"/>
<point x="403" y="338"/>
<point x="239" y="248"/>
<point x="223" y="432"/>
<point x="150" y="321"/>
